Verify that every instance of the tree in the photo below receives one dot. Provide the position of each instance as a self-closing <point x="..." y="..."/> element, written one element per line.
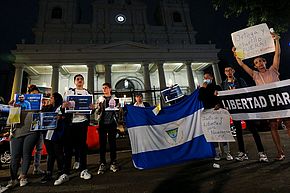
<point x="276" y="13"/>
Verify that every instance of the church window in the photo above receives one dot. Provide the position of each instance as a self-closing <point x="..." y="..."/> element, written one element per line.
<point x="56" y="13"/>
<point x="177" y="17"/>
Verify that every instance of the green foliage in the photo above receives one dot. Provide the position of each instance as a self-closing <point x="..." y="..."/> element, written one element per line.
<point x="276" y="13"/>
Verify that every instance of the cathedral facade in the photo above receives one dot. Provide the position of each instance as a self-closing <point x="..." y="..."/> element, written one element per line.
<point x="128" y="43"/>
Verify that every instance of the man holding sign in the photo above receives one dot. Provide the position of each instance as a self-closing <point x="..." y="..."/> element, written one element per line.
<point x="208" y="95"/>
<point x="75" y="133"/>
<point x="262" y="76"/>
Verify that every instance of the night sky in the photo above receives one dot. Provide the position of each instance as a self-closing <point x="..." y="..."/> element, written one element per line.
<point x="17" y="17"/>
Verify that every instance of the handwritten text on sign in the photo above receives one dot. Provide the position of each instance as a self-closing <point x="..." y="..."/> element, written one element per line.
<point x="216" y="125"/>
<point x="253" y="41"/>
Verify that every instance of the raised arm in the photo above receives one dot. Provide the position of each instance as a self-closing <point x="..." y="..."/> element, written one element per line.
<point x="242" y="64"/>
<point x="276" y="59"/>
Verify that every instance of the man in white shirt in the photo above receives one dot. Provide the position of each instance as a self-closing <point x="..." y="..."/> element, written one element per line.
<point x="75" y="134"/>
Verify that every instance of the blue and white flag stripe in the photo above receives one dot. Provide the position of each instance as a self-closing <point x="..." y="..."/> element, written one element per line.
<point x="173" y="136"/>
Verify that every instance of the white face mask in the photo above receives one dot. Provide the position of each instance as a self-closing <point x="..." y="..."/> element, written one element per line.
<point x="207" y="81"/>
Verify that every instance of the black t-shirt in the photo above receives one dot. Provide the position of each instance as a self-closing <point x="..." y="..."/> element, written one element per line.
<point x="207" y="96"/>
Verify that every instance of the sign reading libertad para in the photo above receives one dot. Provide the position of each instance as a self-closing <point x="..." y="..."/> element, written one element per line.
<point x="269" y="101"/>
<point x="216" y="125"/>
<point x="253" y="41"/>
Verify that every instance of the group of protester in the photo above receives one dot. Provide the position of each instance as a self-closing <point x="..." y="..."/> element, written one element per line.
<point x="67" y="139"/>
<point x="261" y="75"/>
<point x="70" y="136"/>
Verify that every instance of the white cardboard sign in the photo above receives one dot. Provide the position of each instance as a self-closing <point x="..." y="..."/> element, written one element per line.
<point x="253" y="41"/>
<point x="216" y="125"/>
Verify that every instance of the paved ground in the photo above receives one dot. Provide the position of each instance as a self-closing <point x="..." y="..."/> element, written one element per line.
<point x="192" y="177"/>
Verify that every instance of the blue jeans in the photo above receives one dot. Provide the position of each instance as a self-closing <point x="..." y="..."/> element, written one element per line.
<point x="22" y="147"/>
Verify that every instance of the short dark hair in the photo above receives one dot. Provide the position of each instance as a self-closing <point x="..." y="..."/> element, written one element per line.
<point x="139" y="94"/>
<point x="75" y="77"/>
<point x="209" y="73"/>
<point x="107" y="84"/>
<point x="228" y="66"/>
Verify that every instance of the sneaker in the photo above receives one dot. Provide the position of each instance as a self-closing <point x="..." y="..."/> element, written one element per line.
<point x="263" y="157"/>
<point x="85" y="175"/>
<point x="46" y="178"/>
<point x="114" y="167"/>
<point x="38" y="171"/>
<point x="229" y="157"/>
<point x="218" y="157"/>
<point x="102" y="168"/>
<point x="241" y="156"/>
<point x="3" y="189"/>
<point x="63" y="178"/>
<point x="76" y="165"/>
<point x="12" y="184"/>
<point x="23" y="182"/>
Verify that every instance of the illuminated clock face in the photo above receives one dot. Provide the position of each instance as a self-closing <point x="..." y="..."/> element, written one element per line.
<point x="120" y="18"/>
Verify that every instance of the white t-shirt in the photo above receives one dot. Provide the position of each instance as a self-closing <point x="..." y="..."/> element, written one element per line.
<point x="77" y="118"/>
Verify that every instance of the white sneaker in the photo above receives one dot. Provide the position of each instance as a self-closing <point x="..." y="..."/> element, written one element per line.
<point x="218" y="157"/>
<point x="102" y="168"/>
<point x="23" y="182"/>
<point x="114" y="167"/>
<point x="85" y="175"/>
<point x="229" y="157"/>
<point x="263" y="157"/>
<point x="63" y="178"/>
<point x="76" y="165"/>
<point x="12" y="184"/>
<point x="3" y="189"/>
<point x="241" y="156"/>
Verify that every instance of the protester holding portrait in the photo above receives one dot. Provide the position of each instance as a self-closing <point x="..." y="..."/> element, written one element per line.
<point x="108" y="118"/>
<point x="53" y="139"/>
<point x="75" y="133"/>
<point x="23" y="140"/>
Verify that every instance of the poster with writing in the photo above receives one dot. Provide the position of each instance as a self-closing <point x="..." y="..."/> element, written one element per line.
<point x="43" y="121"/>
<point x="268" y="101"/>
<point x="79" y="104"/>
<point x="216" y="125"/>
<point x="253" y="41"/>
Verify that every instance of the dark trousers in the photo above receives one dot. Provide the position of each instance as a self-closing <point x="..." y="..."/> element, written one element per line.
<point x="75" y="136"/>
<point x="54" y="152"/>
<point x="252" y="126"/>
<point x="108" y="133"/>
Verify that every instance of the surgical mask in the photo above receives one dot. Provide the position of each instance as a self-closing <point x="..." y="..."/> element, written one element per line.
<point x="207" y="81"/>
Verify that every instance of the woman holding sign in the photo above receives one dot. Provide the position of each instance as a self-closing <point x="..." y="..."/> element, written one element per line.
<point x="261" y="76"/>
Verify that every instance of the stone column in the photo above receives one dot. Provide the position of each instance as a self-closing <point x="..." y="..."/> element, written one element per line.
<point x="108" y="72"/>
<point x="55" y="77"/>
<point x="18" y="76"/>
<point x="216" y="73"/>
<point x="190" y="76"/>
<point x="147" y="82"/>
<point x="91" y="77"/>
<point x="161" y="75"/>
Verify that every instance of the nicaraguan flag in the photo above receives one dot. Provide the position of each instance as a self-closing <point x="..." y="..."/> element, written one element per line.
<point x="172" y="136"/>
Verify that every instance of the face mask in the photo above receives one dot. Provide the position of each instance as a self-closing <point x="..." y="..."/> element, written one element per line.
<point x="207" y="81"/>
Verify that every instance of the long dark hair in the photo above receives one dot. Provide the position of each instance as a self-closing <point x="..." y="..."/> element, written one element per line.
<point x="58" y="100"/>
